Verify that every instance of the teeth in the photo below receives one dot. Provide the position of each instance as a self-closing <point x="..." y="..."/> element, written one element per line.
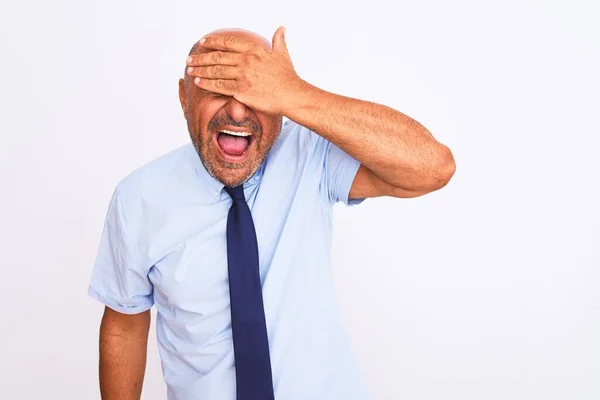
<point x="236" y="133"/>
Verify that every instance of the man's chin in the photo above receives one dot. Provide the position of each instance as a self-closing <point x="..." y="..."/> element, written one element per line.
<point x="233" y="174"/>
<point x="232" y="180"/>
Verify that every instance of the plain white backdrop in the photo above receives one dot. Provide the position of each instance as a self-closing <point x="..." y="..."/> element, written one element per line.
<point x="487" y="289"/>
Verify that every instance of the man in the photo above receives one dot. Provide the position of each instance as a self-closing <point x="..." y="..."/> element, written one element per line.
<point x="230" y="235"/>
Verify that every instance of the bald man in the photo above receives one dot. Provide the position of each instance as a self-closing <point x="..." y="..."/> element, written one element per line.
<point x="229" y="236"/>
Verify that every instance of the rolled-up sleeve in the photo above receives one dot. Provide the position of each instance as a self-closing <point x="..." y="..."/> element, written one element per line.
<point x="120" y="273"/>
<point x="339" y="171"/>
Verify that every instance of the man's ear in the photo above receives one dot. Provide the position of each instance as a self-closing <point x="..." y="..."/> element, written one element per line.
<point x="182" y="95"/>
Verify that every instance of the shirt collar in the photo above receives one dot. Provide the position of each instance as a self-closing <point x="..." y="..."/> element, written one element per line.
<point x="214" y="185"/>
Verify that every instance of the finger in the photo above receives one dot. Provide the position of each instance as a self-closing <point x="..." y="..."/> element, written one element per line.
<point x="279" y="41"/>
<point x="214" y="72"/>
<point x="223" y="86"/>
<point x="213" y="58"/>
<point x="231" y="43"/>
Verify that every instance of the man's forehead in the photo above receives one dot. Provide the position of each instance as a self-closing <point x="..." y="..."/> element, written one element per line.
<point x="243" y="33"/>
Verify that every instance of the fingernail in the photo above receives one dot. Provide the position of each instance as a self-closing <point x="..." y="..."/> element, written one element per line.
<point x="197" y="80"/>
<point x="202" y="40"/>
<point x="190" y="69"/>
<point x="284" y="30"/>
<point x="189" y="59"/>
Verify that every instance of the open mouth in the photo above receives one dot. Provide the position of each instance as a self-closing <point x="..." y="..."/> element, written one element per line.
<point x="234" y="144"/>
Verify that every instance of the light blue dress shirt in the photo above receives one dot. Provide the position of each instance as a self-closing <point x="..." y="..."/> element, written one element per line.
<point x="164" y="244"/>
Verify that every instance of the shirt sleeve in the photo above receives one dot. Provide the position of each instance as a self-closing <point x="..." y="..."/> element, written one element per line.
<point x="339" y="171"/>
<point x="120" y="274"/>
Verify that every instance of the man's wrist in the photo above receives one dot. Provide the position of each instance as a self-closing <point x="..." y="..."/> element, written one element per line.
<point x="303" y="99"/>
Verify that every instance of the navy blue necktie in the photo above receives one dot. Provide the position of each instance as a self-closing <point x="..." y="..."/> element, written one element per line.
<point x="250" y="342"/>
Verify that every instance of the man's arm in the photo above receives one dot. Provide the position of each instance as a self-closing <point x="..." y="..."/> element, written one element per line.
<point x="123" y="350"/>
<point x="399" y="156"/>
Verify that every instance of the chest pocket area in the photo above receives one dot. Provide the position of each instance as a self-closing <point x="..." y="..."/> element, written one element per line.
<point x="191" y="288"/>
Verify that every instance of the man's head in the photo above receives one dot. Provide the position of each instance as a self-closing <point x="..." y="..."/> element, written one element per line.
<point x="229" y="157"/>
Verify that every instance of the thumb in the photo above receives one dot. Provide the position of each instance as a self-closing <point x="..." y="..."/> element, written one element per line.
<point x="279" y="45"/>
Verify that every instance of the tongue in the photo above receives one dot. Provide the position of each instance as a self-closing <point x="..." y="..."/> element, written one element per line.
<point x="234" y="145"/>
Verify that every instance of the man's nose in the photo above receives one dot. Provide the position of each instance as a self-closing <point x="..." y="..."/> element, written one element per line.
<point x="238" y="111"/>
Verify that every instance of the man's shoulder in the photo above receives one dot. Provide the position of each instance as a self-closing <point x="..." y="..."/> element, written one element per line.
<point x="292" y="129"/>
<point x="157" y="175"/>
<point x="297" y="138"/>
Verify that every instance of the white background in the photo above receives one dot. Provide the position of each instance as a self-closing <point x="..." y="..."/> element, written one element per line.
<point x="487" y="289"/>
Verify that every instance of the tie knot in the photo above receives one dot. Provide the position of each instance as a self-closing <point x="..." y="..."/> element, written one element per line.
<point x="236" y="193"/>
